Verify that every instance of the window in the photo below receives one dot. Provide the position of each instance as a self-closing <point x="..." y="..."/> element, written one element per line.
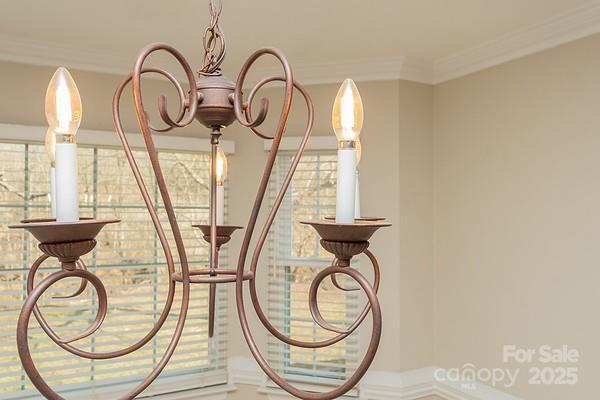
<point x="128" y="259"/>
<point x="295" y="258"/>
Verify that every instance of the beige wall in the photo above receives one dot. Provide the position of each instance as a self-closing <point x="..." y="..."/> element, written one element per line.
<point x="516" y="213"/>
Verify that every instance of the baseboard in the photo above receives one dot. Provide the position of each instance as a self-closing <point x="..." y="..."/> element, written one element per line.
<point x="378" y="385"/>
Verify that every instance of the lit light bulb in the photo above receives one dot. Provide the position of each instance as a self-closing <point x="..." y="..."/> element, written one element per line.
<point x="63" y="104"/>
<point x="50" y="142"/>
<point x="221" y="166"/>
<point x="347" y="115"/>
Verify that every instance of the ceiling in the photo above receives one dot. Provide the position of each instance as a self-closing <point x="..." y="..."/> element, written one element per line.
<point x="423" y="40"/>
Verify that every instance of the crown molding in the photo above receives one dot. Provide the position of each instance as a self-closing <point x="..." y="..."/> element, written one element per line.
<point x="49" y="54"/>
<point x="566" y="27"/>
<point x="335" y="72"/>
<point x="572" y="25"/>
<point x="34" y="52"/>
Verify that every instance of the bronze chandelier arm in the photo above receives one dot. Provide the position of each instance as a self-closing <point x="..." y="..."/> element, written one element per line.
<point x="153" y="155"/>
<point x="64" y="343"/>
<point x="101" y="314"/>
<point x="314" y="306"/>
<point x="190" y="104"/>
<point x="270" y="219"/>
<point x="151" y="148"/>
<point x="242" y="110"/>
<point x="373" y="304"/>
<point x="30" y="305"/>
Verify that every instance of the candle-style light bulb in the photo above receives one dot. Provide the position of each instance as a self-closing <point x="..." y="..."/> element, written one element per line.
<point x="347" y="120"/>
<point x="347" y="115"/>
<point x="63" y="103"/>
<point x="221" y="171"/>
<point x="63" y="112"/>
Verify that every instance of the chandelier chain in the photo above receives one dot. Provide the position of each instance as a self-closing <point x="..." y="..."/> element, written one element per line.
<point x="213" y="41"/>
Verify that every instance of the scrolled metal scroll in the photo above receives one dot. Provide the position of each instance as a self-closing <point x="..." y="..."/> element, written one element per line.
<point x="100" y="315"/>
<point x="242" y="109"/>
<point x="190" y="103"/>
<point x="314" y="306"/>
<point x="30" y="307"/>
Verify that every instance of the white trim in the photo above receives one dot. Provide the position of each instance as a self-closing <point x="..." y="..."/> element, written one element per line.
<point x="328" y="142"/>
<point x="566" y="27"/>
<point x="31" y="133"/>
<point x="384" y="69"/>
<point x="412" y="384"/>
<point x="245" y="370"/>
<point x="50" y="54"/>
<point x="563" y="28"/>
<point x="377" y="385"/>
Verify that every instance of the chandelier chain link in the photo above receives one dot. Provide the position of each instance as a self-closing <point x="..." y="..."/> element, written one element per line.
<point x="213" y="41"/>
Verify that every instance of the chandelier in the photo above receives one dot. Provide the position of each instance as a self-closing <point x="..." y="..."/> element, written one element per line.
<point x="215" y="102"/>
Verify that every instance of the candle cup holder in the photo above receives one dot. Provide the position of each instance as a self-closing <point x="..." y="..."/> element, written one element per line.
<point x="66" y="241"/>
<point x="218" y="275"/>
<point x="212" y="276"/>
<point x="224" y="233"/>
<point x="345" y="241"/>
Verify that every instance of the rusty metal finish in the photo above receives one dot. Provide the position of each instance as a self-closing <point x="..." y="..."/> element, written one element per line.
<point x="215" y="108"/>
<point x="214" y="102"/>
<point x="28" y="308"/>
<point x="68" y="253"/>
<point x="47" y="230"/>
<point x="221" y="235"/>
<point x="246" y="119"/>
<point x="359" y="231"/>
<point x="82" y="286"/>
<point x="214" y="42"/>
<point x="224" y="233"/>
<point x="223" y="275"/>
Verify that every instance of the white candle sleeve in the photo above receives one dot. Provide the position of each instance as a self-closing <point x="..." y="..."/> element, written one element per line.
<point x="220" y="204"/>
<point x="357" y="199"/>
<point x="67" y="197"/>
<point x="346" y="186"/>
<point x="53" y="191"/>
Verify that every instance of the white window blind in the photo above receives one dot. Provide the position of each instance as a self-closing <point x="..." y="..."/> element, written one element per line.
<point x="295" y="258"/>
<point x="128" y="259"/>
